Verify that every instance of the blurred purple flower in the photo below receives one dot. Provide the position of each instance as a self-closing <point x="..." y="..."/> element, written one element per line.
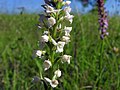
<point x="103" y="21"/>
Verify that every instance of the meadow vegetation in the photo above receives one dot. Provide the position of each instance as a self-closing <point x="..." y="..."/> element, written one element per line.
<point x="95" y="63"/>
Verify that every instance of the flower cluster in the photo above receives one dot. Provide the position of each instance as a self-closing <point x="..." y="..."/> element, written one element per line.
<point x="55" y="35"/>
<point x="103" y="21"/>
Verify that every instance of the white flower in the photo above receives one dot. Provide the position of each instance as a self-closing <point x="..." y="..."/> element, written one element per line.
<point x="66" y="39"/>
<point x="53" y="42"/>
<point x="50" y="9"/>
<point x="39" y="27"/>
<point x="69" y="17"/>
<point x="66" y="2"/>
<point x="51" y="21"/>
<point x="47" y="64"/>
<point x="59" y="27"/>
<point x="45" y="32"/>
<point x="53" y="83"/>
<point x="58" y="73"/>
<point x="39" y="53"/>
<point x="67" y="30"/>
<point x="67" y="9"/>
<point x="44" y="38"/>
<point x="60" y="46"/>
<point x="66" y="58"/>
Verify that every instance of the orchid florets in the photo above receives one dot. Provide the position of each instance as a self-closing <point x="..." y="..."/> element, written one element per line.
<point x="55" y="36"/>
<point x="103" y="21"/>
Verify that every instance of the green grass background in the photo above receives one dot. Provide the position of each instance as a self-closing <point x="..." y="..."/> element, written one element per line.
<point x="94" y="64"/>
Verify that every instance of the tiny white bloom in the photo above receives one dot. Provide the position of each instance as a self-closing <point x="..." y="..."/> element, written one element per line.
<point x="39" y="27"/>
<point x="53" y="83"/>
<point x="47" y="64"/>
<point x="66" y="58"/>
<point x="68" y="2"/>
<point x="67" y="9"/>
<point x="66" y="39"/>
<point x="59" y="27"/>
<point x="69" y="17"/>
<point x="53" y="42"/>
<point x="51" y="21"/>
<point x="47" y="79"/>
<point x="45" y="32"/>
<point x="39" y="53"/>
<point x="44" y="38"/>
<point x="50" y="9"/>
<point x="67" y="30"/>
<point x="58" y="73"/>
<point x="60" y="46"/>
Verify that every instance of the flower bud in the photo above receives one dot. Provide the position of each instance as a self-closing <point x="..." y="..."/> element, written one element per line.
<point x="58" y="73"/>
<point x="60" y="46"/>
<point x="44" y="38"/>
<point x="49" y="9"/>
<point x="45" y="32"/>
<point x="69" y="17"/>
<point x="67" y="31"/>
<point x="66" y="39"/>
<point x="51" y="21"/>
<point x="47" y="64"/>
<point x="67" y="2"/>
<point x="53" y="42"/>
<point x="53" y="83"/>
<point x="66" y="58"/>
<point x="67" y="9"/>
<point x="39" y="53"/>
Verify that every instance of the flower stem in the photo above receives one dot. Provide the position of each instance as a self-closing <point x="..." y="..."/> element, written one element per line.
<point x="98" y="81"/>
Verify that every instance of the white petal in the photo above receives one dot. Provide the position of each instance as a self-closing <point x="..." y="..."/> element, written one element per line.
<point x="45" y="32"/>
<point x="68" y="2"/>
<point x="51" y="21"/>
<point x="47" y="64"/>
<point x="67" y="31"/>
<point x="54" y="83"/>
<point x="58" y="73"/>
<point x="66" y="58"/>
<point x="39" y="53"/>
<point x="69" y="17"/>
<point x="47" y="79"/>
<point x="66" y="39"/>
<point x="67" y="9"/>
<point x="60" y="46"/>
<point x="54" y="42"/>
<point x="44" y="38"/>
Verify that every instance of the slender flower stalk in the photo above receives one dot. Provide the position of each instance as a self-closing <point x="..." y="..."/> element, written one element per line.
<point x="103" y="21"/>
<point x="55" y="36"/>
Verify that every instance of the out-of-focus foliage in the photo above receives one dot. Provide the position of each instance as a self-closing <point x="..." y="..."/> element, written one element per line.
<point x="19" y="38"/>
<point x="89" y="2"/>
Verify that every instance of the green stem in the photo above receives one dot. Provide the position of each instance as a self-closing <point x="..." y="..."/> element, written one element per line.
<point x="55" y="27"/>
<point x="101" y="56"/>
<point x="52" y="57"/>
<point x="54" y="31"/>
<point x="100" y="64"/>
